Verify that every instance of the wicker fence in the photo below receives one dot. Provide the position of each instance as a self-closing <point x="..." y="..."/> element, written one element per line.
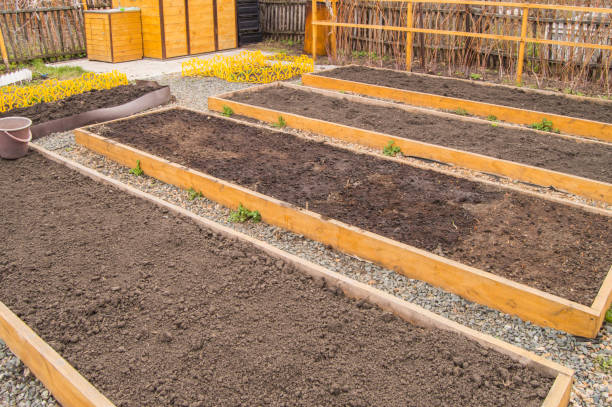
<point x="42" y="29"/>
<point x="572" y="66"/>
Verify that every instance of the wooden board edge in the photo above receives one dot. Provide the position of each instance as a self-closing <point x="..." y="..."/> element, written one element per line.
<point x="571" y="125"/>
<point x="592" y="189"/>
<point x="603" y="301"/>
<point x="59" y="377"/>
<point x="476" y="285"/>
<point x="560" y="392"/>
<point x="407" y="311"/>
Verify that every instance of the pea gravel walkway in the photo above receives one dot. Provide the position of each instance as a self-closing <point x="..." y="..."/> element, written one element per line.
<point x="593" y="386"/>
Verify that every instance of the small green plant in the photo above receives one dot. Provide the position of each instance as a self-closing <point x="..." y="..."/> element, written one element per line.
<point x="475" y="76"/>
<point x="227" y="111"/>
<point x="391" y="149"/>
<point x="461" y="111"/>
<point x="609" y="315"/>
<point x="242" y="215"/>
<point x="605" y="363"/>
<point x="544" y="125"/>
<point x="193" y="194"/>
<point x="280" y="124"/>
<point x="492" y="118"/>
<point x="137" y="170"/>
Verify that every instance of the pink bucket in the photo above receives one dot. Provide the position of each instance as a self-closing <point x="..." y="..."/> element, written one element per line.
<point x="14" y="137"/>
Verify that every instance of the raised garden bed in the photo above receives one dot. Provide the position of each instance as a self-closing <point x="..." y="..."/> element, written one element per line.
<point x="92" y="107"/>
<point x="156" y="309"/>
<point x="577" y="115"/>
<point x="523" y="241"/>
<point x="568" y="163"/>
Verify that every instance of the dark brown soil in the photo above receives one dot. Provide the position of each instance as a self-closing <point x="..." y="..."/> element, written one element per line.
<point x="498" y="95"/>
<point x="83" y="102"/>
<point x="553" y="247"/>
<point x="586" y="159"/>
<point x="156" y="311"/>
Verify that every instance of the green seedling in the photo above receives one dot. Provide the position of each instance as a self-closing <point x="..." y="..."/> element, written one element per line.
<point x="609" y="315"/>
<point x="475" y="76"/>
<point x="193" y="194"/>
<point x="242" y="215"/>
<point x="605" y="363"/>
<point x="280" y="124"/>
<point x="391" y="149"/>
<point x="227" y="111"/>
<point x="137" y="170"/>
<point x="492" y="118"/>
<point x="461" y="111"/>
<point x="544" y="125"/>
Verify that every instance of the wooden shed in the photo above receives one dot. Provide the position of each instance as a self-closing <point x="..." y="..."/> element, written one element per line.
<point x="113" y="35"/>
<point x="172" y="28"/>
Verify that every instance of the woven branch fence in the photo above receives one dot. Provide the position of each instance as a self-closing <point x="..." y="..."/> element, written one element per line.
<point x="574" y="67"/>
<point x="44" y="28"/>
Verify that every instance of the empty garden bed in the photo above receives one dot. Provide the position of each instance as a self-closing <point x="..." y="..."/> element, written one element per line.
<point x="83" y="102"/>
<point x="154" y="309"/>
<point x="580" y="116"/>
<point x="596" y="110"/>
<point x="556" y="248"/>
<point x="92" y="107"/>
<point x="571" y="164"/>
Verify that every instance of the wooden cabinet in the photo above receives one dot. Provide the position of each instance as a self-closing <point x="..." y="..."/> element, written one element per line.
<point x="172" y="28"/>
<point x="113" y="35"/>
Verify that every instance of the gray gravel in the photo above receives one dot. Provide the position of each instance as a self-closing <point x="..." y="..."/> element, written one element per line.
<point x="593" y="385"/>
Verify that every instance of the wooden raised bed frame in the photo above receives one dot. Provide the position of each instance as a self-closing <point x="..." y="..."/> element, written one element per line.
<point x="476" y="285"/>
<point x="72" y="390"/>
<point x="569" y="125"/>
<point x="593" y="189"/>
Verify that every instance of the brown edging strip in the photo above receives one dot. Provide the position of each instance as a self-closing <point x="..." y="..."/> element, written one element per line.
<point x="150" y="100"/>
<point x="473" y="284"/>
<point x="72" y="390"/>
<point x="569" y="125"/>
<point x="593" y="189"/>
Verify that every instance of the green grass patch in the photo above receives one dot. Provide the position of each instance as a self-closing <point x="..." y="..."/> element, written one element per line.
<point x="391" y="149"/>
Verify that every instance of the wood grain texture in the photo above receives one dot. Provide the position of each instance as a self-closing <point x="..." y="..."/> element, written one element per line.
<point x="227" y="35"/>
<point x="485" y="288"/>
<point x="569" y="125"/>
<point x="585" y="187"/>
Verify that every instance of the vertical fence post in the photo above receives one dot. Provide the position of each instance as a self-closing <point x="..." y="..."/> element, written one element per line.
<point x="313" y="20"/>
<point x="333" y="33"/>
<point x="521" y="55"/>
<point x="3" y="50"/>
<point x="409" y="36"/>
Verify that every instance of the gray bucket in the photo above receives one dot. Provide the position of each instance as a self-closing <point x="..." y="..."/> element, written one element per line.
<point x="14" y="137"/>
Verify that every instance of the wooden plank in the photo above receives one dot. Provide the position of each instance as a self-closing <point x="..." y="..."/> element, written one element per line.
<point x="226" y="23"/>
<point x="558" y="395"/>
<point x="62" y="380"/>
<point x="569" y="125"/>
<point x="482" y="287"/>
<point x="585" y="187"/>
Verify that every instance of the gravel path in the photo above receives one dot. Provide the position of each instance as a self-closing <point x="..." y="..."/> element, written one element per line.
<point x="593" y="385"/>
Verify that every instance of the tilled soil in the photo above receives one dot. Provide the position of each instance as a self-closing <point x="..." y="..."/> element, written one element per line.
<point x="83" y="102"/>
<point x="586" y="159"/>
<point x="155" y="310"/>
<point x="553" y="247"/>
<point x="498" y="95"/>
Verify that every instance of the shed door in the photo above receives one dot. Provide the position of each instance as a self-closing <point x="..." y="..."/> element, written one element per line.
<point x="201" y="26"/>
